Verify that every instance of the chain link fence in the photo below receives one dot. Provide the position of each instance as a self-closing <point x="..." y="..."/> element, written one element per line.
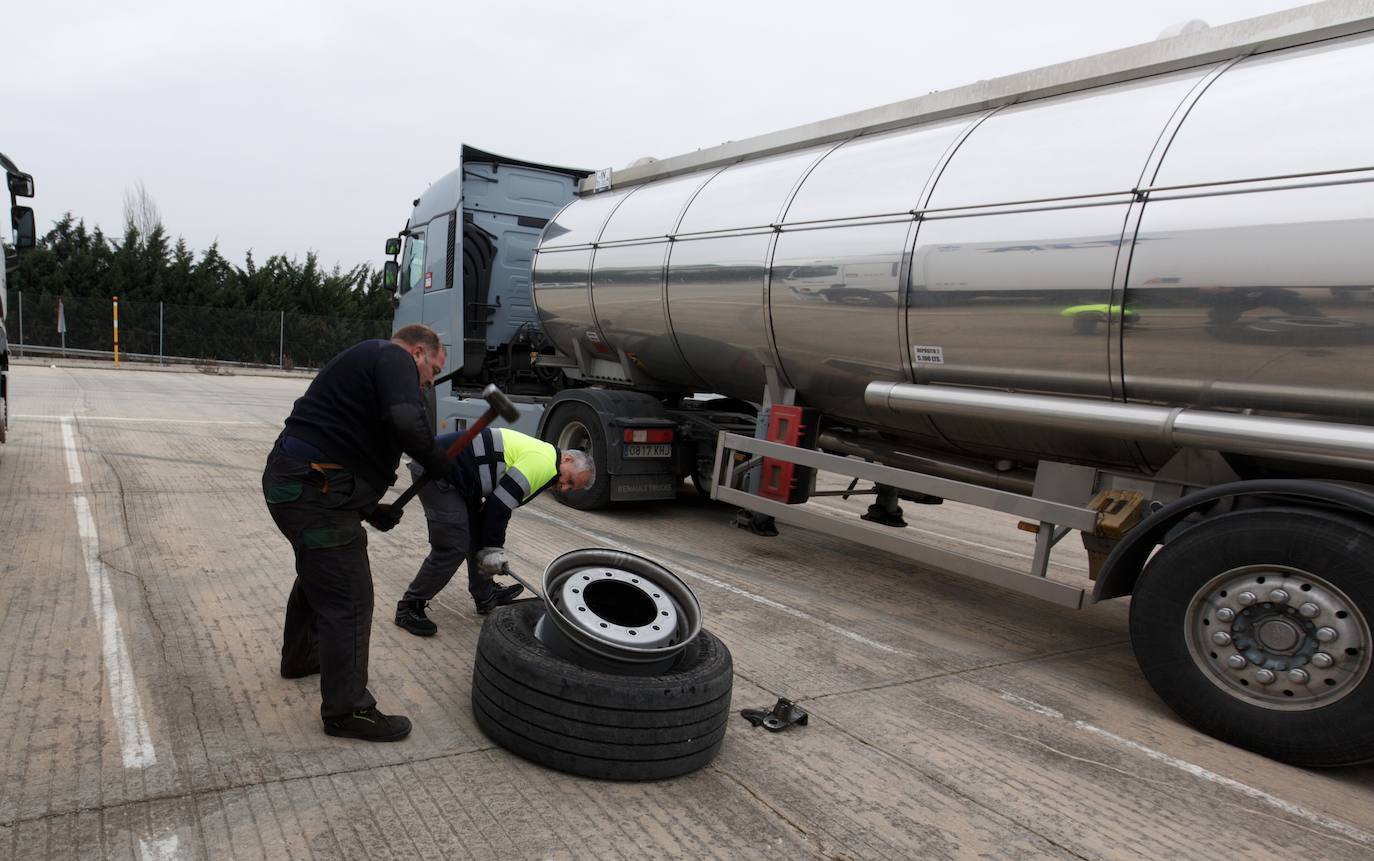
<point x="157" y="331"/>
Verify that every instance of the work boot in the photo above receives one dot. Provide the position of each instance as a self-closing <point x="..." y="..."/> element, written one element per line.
<point x="369" y="725"/>
<point x="495" y="596"/>
<point x="411" y="616"/>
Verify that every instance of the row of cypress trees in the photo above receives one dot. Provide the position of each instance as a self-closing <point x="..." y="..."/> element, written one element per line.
<point x="176" y="301"/>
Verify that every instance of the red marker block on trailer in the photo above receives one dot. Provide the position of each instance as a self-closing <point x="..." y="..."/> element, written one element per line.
<point x="783" y="481"/>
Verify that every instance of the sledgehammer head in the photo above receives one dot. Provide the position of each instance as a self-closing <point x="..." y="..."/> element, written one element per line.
<point x="500" y="404"/>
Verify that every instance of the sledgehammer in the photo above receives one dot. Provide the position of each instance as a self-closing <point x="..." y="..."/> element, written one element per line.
<point x="498" y="406"/>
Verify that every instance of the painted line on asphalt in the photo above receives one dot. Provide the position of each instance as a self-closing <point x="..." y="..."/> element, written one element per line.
<point x="69" y="447"/>
<point x="167" y="848"/>
<point x="86" y="418"/>
<point x="608" y="541"/>
<point x="1343" y="828"/>
<point x="135" y="741"/>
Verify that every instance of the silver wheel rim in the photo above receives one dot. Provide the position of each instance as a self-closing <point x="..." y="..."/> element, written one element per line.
<point x="1278" y="637"/>
<point x="644" y="615"/>
<point x="574" y="437"/>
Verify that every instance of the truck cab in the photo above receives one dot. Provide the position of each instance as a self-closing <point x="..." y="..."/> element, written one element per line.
<point x="462" y="267"/>
<point x="24" y="236"/>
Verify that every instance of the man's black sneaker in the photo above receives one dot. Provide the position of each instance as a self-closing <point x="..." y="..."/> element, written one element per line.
<point x="498" y="596"/>
<point x="369" y="725"/>
<point x="411" y="616"/>
<point x="293" y="673"/>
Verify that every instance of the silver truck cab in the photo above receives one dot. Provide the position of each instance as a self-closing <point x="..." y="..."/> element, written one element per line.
<point x="462" y="267"/>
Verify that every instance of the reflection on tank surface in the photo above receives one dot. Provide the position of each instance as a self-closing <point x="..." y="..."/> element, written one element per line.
<point x="986" y="298"/>
<point x="715" y="295"/>
<point x="847" y="283"/>
<point x="837" y="323"/>
<point x="1303" y="321"/>
<point x="560" y="293"/>
<point x="993" y="304"/>
<point x="1265" y="312"/>
<point x="1086" y="318"/>
<point x="627" y="293"/>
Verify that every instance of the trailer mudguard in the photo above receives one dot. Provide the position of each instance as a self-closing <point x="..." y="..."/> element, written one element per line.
<point x="1127" y="559"/>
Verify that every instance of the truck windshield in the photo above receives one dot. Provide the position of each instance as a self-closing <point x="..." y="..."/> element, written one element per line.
<point x="413" y="262"/>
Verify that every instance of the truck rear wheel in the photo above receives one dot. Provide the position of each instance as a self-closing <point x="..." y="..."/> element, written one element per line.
<point x="1255" y="628"/>
<point x="578" y="427"/>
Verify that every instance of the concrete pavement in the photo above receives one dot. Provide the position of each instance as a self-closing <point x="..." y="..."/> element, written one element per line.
<point x="141" y="595"/>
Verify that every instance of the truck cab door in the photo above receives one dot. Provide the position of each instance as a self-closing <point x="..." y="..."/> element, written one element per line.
<point x="438" y="308"/>
<point x="410" y="290"/>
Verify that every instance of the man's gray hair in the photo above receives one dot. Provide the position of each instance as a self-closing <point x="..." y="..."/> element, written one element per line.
<point x="582" y="462"/>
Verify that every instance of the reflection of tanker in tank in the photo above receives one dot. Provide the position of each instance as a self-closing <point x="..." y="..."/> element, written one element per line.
<point x="1234" y="217"/>
<point x="850" y="282"/>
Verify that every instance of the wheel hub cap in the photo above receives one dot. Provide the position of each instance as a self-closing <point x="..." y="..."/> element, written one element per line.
<point x="1278" y="637"/>
<point x="619" y="606"/>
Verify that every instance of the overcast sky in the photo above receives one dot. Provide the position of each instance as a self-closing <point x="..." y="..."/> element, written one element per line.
<point x="298" y="125"/>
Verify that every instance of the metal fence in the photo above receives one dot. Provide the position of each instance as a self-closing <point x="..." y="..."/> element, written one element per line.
<point x="157" y="331"/>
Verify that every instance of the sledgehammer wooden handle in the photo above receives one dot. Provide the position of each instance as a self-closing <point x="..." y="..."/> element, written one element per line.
<point x="499" y="406"/>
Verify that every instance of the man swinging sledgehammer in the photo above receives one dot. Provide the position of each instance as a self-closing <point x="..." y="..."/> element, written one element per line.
<point x="468" y="509"/>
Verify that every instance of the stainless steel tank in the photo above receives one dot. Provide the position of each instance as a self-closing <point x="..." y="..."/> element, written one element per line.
<point x="1198" y="238"/>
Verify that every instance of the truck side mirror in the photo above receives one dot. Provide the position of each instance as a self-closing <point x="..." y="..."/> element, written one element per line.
<point x="393" y="246"/>
<point x="21" y="184"/>
<point x="391" y="271"/>
<point x="25" y="236"/>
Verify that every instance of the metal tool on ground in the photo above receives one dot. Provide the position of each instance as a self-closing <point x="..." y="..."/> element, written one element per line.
<point x="499" y="405"/>
<point x="784" y="714"/>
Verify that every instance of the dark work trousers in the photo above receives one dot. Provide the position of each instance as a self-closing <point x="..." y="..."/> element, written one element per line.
<point x="451" y="519"/>
<point x="329" y="613"/>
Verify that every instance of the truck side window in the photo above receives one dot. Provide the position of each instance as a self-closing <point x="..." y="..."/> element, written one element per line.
<point x="413" y="262"/>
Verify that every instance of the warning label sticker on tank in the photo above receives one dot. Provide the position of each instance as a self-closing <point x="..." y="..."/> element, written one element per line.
<point x="928" y="355"/>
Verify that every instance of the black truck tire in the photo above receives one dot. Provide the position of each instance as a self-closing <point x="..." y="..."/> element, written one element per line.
<point x="577" y="426"/>
<point x="592" y="723"/>
<point x="1254" y="627"/>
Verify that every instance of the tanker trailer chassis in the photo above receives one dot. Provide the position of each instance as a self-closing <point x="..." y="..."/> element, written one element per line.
<point x="1252" y="600"/>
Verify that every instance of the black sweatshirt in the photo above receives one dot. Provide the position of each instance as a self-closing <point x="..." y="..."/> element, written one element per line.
<point x="364" y="409"/>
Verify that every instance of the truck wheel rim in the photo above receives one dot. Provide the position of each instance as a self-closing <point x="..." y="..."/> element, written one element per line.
<point x="1278" y="637"/>
<point x="619" y="606"/>
<point x="574" y="437"/>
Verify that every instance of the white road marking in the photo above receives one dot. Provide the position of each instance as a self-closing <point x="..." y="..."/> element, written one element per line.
<point x="1343" y="828"/>
<point x="69" y="446"/>
<point x="608" y="541"/>
<point x="1031" y="705"/>
<point x="166" y="848"/>
<point x="85" y="418"/>
<point x="135" y="741"/>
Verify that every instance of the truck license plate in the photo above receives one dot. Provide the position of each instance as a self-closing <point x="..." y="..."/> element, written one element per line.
<point x="646" y="450"/>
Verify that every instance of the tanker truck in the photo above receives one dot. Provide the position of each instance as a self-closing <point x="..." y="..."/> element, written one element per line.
<point x="1125" y="297"/>
<point x="20" y="184"/>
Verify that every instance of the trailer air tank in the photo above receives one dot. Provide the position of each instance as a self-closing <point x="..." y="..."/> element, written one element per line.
<point x="1202" y="238"/>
